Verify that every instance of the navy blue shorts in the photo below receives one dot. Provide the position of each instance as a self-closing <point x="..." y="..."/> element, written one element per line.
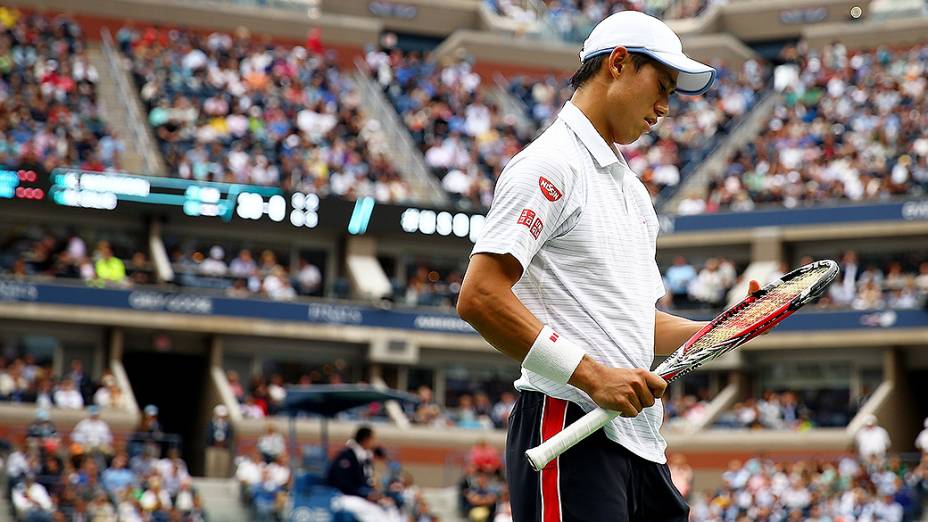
<point x="597" y="480"/>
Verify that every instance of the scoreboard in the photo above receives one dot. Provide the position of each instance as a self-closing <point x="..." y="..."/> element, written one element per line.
<point x="233" y="202"/>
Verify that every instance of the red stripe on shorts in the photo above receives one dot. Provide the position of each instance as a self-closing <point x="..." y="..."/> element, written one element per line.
<point x="553" y="417"/>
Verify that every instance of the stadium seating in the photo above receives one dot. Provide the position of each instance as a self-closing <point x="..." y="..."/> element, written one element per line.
<point x="231" y="108"/>
<point x="572" y="20"/>
<point x="835" y="135"/>
<point x="49" y="108"/>
<point x="814" y="490"/>
<point x="465" y="138"/>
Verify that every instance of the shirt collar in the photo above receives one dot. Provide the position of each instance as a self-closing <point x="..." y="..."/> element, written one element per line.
<point x="583" y="128"/>
<point x="359" y="452"/>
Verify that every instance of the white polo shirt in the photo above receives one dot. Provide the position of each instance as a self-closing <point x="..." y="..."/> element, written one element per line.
<point x="584" y="229"/>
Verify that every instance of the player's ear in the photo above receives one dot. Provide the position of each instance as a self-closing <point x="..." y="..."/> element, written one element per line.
<point x="618" y="61"/>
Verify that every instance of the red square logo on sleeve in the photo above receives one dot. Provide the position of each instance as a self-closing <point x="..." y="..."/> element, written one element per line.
<point x="527" y="217"/>
<point x="536" y="228"/>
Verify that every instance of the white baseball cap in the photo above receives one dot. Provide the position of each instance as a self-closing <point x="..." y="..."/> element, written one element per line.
<point x="640" y="33"/>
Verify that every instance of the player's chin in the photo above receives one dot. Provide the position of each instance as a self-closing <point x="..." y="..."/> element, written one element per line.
<point x="630" y="138"/>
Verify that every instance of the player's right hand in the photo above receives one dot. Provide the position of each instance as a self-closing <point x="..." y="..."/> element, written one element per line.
<point x="627" y="391"/>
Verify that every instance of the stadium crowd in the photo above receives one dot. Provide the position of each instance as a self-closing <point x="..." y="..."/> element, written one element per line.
<point x="465" y="138"/>
<point x="92" y="475"/>
<point x="851" y="489"/>
<point x="41" y="253"/>
<point x="264" y="273"/>
<point x="848" y="126"/>
<point x="572" y="20"/>
<point x="235" y="108"/>
<point x="900" y="282"/>
<point x="428" y="286"/>
<point x="24" y="380"/>
<point x="48" y="97"/>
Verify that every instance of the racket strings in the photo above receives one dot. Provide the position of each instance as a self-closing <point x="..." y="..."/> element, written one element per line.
<point x="757" y="311"/>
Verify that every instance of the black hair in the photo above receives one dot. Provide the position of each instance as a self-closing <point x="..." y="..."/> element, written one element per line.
<point x="590" y="67"/>
<point x="363" y="433"/>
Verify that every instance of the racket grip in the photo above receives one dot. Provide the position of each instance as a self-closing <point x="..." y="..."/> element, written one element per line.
<point x="562" y="441"/>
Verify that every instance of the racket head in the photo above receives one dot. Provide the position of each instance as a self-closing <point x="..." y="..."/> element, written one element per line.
<point x="754" y="315"/>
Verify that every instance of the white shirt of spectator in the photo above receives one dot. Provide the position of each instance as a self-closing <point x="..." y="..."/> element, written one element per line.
<point x="272" y="444"/>
<point x="310" y="277"/>
<point x="921" y="442"/>
<point x="249" y="472"/>
<point x="70" y="399"/>
<point x="150" y="500"/>
<point x="280" y="475"/>
<point x="92" y="433"/>
<point x="456" y="181"/>
<point x="580" y="223"/>
<point x="872" y="441"/>
<point x="36" y="497"/>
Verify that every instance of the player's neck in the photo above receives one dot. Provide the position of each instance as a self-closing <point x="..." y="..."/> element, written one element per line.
<point x="589" y="100"/>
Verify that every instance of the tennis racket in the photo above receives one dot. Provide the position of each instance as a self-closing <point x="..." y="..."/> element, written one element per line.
<point x="755" y="315"/>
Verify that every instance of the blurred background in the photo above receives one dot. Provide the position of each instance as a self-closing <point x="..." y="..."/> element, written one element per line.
<point x="218" y="218"/>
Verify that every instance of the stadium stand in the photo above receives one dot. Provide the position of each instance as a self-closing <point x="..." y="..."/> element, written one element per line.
<point x="230" y="108"/>
<point x="834" y="134"/>
<point x="848" y="489"/>
<point x="466" y="139"/>
<point x="49" y="110"/>
<point x="572" y="20"/>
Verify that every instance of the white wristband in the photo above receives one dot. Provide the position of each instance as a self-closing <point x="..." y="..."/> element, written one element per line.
<point x="553" y="357"/>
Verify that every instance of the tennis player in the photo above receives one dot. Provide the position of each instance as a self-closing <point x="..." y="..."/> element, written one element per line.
<point x="564" y="280"/>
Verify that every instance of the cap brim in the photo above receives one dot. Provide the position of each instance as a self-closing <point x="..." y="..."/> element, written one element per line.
<point x="694" y="78"/>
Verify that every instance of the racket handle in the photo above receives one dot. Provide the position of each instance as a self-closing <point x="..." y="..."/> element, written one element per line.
<point x="550" y="449"/>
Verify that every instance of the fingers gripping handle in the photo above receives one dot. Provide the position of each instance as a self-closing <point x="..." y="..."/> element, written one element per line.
<point x="550" y="449"/>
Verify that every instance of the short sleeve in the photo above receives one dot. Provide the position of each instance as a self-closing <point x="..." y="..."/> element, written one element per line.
<point x="534" y="197"/>
<point x="659" y="288"/>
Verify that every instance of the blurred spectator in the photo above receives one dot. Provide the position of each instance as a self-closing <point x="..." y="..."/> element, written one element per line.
<point x="43" y="432"/>
<point x="110" y="395"/>
<point x="713" y="281"/>
<point x="67" y="397"/>
<point x="220" y="429"/>
<point x="235" y="385"/>
<point x="502" y="409"/>
<point x="31" y="500"/>
<point x="351" y="472"/>
<point x="481" y="499"/>
<point x="921" y="442"/>
<point x="271" y="444"/>
<point x="92" y="434"/>
<point x="872" y="441"/>
<point x="109" y="269"/>
<point x="681" y="474"/>
<point x="428" y="411"/>
<point x="310" y="278"/>
<point x="679" y="276"/>
<point x="485" y="458"/>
